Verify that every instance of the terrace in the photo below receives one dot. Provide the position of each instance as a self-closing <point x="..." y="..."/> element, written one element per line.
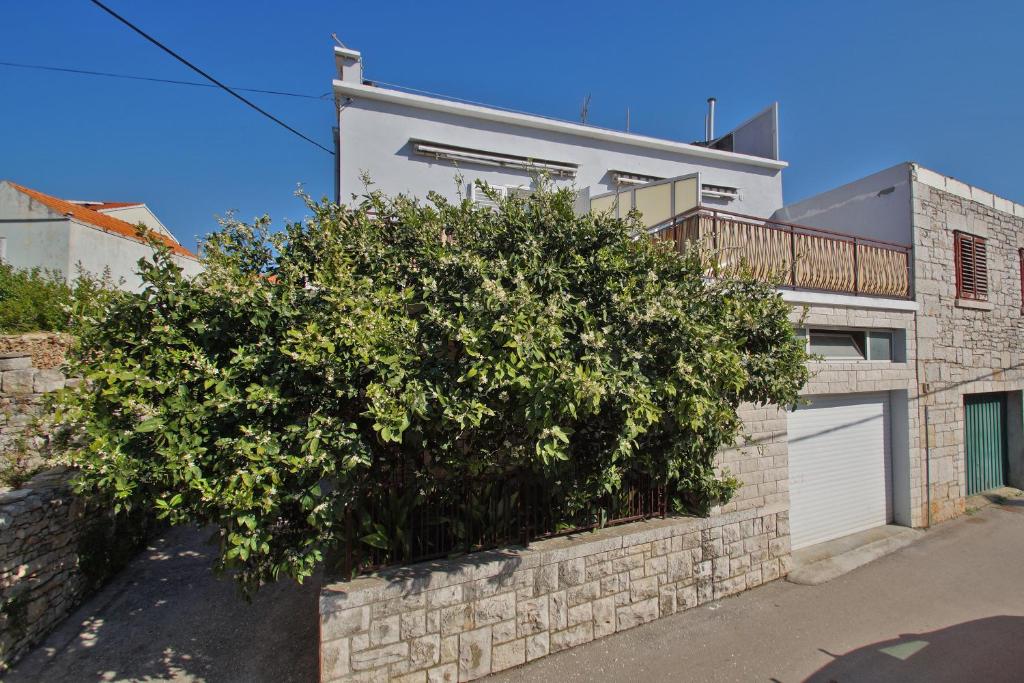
<point x="795" y="256"/>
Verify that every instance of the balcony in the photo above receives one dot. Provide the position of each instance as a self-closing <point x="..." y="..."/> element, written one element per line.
<point x="796" y="256"/>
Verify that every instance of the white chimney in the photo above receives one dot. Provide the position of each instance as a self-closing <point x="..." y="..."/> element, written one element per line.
<point x="349" y="64"/>
<point x="709" y="121"/>
<point x="3" y="249"/>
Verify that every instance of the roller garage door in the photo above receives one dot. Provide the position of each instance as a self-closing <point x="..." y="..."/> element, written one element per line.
<point x="839" y="467"/>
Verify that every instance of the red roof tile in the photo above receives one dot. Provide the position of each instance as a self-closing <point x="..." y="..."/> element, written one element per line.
<point x="101" y="221"/>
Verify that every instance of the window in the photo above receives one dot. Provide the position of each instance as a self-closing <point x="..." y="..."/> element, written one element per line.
<point x="838" y="344"/>
<point x="500" y="191"/>
<point x="443" y="152"/>
<point x="873" y="345"/>
<point x="879" y="345"/>
<point x="971" y="267"/>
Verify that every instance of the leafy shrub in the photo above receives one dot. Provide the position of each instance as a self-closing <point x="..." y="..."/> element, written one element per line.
<point x="283" y="389"/>
<point x="36" y="300"/>
<point x="32" y="300"/>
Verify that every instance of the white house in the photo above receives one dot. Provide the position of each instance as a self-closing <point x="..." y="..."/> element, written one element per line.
<point x="414" y="144"/>
<point x="41" y="231"/>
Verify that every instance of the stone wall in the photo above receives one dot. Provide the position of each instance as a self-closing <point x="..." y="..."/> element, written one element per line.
<point x="47" y="349"/>
<point x="25" y="434"/>
<point x="963" y="350"/>
<point x="54" y="550"/>
<point x="463" y="619"/>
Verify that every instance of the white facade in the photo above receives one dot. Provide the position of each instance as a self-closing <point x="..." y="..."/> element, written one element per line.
<point x="132" y="213"/>
<point x="36" y="235"/>
<point x="382" y="133"/>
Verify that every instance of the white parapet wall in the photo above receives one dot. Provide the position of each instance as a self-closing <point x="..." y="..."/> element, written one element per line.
<point x="462" y="619"/>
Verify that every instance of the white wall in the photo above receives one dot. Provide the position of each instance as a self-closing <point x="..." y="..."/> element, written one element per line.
<point x="140" y="213"/>
<point x="374" y="137"/>
<point x="97" y="250"/>
<point x="36" y="236"/>
<point x="877" y="206"/>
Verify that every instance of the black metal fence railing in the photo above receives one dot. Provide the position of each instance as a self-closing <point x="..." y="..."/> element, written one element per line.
<point x="408" y="521"/>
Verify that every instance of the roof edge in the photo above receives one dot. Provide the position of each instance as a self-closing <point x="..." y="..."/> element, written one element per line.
<point x="959" y="188"/>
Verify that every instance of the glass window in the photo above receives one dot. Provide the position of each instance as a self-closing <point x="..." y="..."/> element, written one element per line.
<point x="838" y="344"/>
<point x="880" y="346"/>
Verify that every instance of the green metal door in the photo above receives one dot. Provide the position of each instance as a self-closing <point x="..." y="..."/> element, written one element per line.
<point x="985" y="438"/>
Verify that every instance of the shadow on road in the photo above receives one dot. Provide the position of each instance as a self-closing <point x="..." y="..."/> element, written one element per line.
<point x="166" y="617"/>
<point x="990" y="649"/>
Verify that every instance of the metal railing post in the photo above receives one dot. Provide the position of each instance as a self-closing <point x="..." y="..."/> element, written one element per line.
<point x="856" y="269"/>
<point x="792" y="257"/>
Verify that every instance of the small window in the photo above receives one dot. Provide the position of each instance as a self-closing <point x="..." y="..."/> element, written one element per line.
<point x="879" y="345"/>
<point x="481" y="199"/>
<point x="838" y="344"/>
<point x="971" y="267"/>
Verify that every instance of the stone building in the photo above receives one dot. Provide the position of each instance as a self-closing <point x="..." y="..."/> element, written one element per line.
<point x="968" y="258"/>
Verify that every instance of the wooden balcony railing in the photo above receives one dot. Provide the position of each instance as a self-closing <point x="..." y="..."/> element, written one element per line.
<point x="796" y="256"/>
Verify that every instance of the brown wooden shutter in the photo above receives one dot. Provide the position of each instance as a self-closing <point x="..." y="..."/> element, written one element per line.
<point x="971" y="267"/>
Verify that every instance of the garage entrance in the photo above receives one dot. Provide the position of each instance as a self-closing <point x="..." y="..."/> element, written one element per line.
<point x="985" y="441"/>
<point x="840" y="467"/>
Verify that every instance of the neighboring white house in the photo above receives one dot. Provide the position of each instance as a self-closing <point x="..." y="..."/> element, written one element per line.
<point x="41" y="231"/>
<point x="414" y="144"/>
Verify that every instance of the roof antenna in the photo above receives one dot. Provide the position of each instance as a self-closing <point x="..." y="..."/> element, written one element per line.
<point x="585" y="109"/>
<point x="338" y="41"/>
<point x="627" y="119"/>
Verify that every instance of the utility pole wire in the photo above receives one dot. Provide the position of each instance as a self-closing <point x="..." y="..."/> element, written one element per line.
<point x="204" y="74"/>
<point x="153" y="79"/>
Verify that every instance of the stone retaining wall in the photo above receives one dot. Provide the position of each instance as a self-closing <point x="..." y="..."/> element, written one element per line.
<point x="25" y="433"/>
<point x="39" y="581"/>
<point x="47" y="349"/>
<point x="55" y="549"/>
<point x="465" y="618"/>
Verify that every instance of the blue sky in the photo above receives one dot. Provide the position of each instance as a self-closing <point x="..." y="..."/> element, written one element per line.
<point x="861" y="86"/>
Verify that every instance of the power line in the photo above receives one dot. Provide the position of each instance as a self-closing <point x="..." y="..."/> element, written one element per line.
<point x="86" y="72"/>
<point x="204" y="74"/>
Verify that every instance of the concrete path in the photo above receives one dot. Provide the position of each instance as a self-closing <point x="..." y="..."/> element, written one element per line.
<point x="166" y="618"/>
<point x="948" y="608"/>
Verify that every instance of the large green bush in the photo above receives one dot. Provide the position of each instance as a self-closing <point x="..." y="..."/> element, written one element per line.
<point x="34" y="300"/>
<point x="279" y="391"/>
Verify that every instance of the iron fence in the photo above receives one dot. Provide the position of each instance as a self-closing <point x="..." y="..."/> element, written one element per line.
<point x="410" y="520"/>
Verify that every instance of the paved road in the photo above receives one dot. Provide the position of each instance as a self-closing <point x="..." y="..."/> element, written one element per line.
<point x="949" y="608"/>
<point x="166" y="618"/>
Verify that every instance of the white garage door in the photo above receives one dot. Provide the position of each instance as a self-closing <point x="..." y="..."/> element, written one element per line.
<point x="839" y="467"/>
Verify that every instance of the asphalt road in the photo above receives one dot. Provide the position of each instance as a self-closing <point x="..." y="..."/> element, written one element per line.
<point x="948" y="608"/>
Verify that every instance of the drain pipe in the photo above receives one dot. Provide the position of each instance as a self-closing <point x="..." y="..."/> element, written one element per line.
<point x="927" y="468"/>
<point x="927" y="438"/>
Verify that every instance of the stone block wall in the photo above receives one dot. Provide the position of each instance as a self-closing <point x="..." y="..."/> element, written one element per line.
<point x="461" y="619"/>
<point x="55" y="549"/>
<point x="47" y="349"/>
<point x="963" y="350"/>
<point x="39" y="578"/>
<point x="25" y="435"/>
<point x="760" y="460"/>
